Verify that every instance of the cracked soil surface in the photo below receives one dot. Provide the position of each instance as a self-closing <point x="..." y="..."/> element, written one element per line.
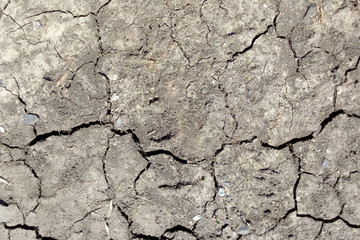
<point x="212" y="119"/>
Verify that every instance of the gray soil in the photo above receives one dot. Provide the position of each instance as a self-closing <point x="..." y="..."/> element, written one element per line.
<point x="213" y="119"/>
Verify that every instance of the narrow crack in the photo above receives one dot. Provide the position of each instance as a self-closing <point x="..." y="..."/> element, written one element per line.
<point x="139" y="175"/>
<point x="218" y="151"/>
<point x="320" y="231"/>
<point x="232" y="59"/>
<point x="178" y="228"/>
<point x="128" y="220"/>
<point x="36" y="176"/>
<point x="179" y="185"/>
<point x="313" y="134"/>
<point x="165" y="152"/>
<point x="108" y="91"/>
<point x="104" y="163"/>
<point x="60" y="11"/>
<point x="29" y="228"/>
<point x="291" y="149"/>
<point x="44" y="136"/>
<point x="300" y="172"/>
<point x="85" y="216"/>
<point x="345" y="80"/>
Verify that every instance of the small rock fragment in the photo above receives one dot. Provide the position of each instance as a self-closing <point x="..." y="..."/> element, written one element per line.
<point x="204" y="90"/>
<point x="2" y="129"/>
<point x="29" y="118"/>
<point x="118" y="122"/>
<point x="114" y="97"/>
<point x="113" y="77"/>
<point x="197" y="218"/>
<point x="1" y="81"/>
<point x="221" y="192"/>
<point x="325" y="162"/>
<point x="244" y="230"/>
<point x="38" y="24"/>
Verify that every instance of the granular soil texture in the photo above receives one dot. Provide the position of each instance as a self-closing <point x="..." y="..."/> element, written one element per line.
<point x="212" y="119"/>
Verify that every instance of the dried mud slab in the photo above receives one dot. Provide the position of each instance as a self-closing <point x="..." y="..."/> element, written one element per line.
<point x="179" y="119"/>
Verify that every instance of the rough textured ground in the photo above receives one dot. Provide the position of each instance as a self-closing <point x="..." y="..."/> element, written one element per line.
<point x="213" y="119"/>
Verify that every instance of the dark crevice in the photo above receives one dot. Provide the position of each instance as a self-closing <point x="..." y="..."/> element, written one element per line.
<point x="279" y="221"/>
<point x="320" y="231"/>
<point x="124" y="215"/>
<point x="352" y="69"/>
<point x="104" y="163"/>
<point x="120" y="132"/>
<point x="44" y="136"/>
<point x="6" y="5"/>
<point x="39" y="183"/>
<point x="179" y="185"/>
<point x="163" y="138"/>
<point x="332" y="220"/>
<point x="143" y="236"/>
<point x="128" y="220"/>
<point x="290" y="142"/>
<point x="308" y="215"/>
<point x="139" y="175"/>
<point x="3" y="203"/>
<point x="218" y="151"/>
<point x="108" y="91"/>
<point x="165" y="152"/>
<point x="85" y="216"/>
<point x="60" y="11"/>
<point x="329" y="119"/>
<point x="155" y="99"/>
<point x="178" y="228"/>
<point x="298" y="176"/>
<point x="250" y="46"/>
<point x="10" y="146"/>
<point x="104" y="5"/>
<point x="29" y="228"/>
<point x="310" y="136"/>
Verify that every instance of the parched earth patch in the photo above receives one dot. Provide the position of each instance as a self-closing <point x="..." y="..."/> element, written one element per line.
<point x="179" y="119"/>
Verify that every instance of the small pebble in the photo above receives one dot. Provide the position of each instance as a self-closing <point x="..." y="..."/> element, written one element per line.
<point x="1" y="81"/>
<point x="197" y="218"/>
<point x="113" y="77"/>
<point x="139" y="69"/>
<point x="2" y="129"/>
<point x="250" y="92"/>
<point x="325" y="162"/>
<point x="204" y="90"/>
<point x="38" y="24"/>
<point x="221" y="192"/>
<point x="118" y="122"/>
<point x="114" y="98"/>
<point x="29" y="118"/>
<point x="244" y="230"/>
<point x="218" y="232"/>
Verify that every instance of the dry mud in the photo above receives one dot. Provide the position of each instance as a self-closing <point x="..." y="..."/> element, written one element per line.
<point x="213" y="119"/>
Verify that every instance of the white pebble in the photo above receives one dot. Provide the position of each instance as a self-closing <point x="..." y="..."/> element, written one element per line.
<point x="197" y="218"/>
<point x="113" y="77"/>
<point x="221" y="192"/>
<point x="243" y="230"/>
<point x="38" y="24"/>
<point x="114" y="98"/>
<point x="118" y="122"/>
<point x="2" y="129"/>
<point x="325" y="162"/>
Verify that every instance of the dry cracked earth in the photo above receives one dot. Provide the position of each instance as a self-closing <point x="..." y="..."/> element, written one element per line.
<point x="213" y="119"/>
